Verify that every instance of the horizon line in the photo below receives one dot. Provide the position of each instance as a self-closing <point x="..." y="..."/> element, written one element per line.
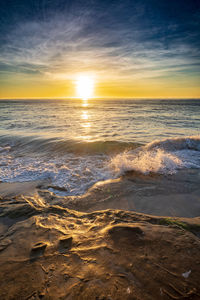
<point x="99" y="98"/>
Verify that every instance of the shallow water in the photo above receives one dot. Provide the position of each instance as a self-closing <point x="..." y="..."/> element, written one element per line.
<point x="75" y="143"/>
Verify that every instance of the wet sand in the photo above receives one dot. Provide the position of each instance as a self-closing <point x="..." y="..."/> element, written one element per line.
<point x="175" y="195"/>
<point x="106" y="244"/>
<point x="172" y="195"/>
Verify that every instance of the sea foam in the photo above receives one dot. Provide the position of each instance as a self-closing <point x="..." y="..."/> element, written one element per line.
<point x="77" y="173"/>
<point x="163" y="157"/>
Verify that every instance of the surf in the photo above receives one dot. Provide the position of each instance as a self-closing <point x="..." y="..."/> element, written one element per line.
<point x="73" y="173"/>
<point x="160" y="156"/>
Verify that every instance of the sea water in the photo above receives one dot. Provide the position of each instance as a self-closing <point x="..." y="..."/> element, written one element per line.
<point x="75" y="143"/>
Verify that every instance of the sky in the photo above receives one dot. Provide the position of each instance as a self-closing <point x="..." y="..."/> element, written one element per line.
<point x="132" y="48"/>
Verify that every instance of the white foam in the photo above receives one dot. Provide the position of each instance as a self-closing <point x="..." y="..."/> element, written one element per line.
<point x="163" y="157"/>
<point x="75" y="173"/>
<point x="145" y="162"/>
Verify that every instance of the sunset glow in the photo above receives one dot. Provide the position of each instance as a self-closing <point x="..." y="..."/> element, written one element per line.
<point x="144" y="51"/>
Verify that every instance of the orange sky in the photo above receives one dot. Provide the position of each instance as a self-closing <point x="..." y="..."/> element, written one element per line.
<point x="119" y="87"/>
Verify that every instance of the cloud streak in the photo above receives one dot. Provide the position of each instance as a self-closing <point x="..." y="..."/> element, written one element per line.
<point x="113" y="45"/>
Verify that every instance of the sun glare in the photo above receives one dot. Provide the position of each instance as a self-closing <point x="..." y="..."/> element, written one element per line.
<point x="85" y="87"/>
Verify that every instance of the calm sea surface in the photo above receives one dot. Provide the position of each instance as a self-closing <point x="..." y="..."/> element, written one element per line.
<point x="76" y="143"/>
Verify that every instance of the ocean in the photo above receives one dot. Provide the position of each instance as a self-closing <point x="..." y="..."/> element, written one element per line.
<point x="74" y="144"/>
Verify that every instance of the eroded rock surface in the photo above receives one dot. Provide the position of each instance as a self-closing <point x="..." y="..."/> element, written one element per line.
<point x="49" y="252"/>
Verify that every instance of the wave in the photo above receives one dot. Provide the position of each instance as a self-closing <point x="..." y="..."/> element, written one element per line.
<point x="34" y="144"/>
<point x="173" y="144"/>
<point x="73" y="173"/>
<point x="162" y="157"/>
<point x="70" y="167"/>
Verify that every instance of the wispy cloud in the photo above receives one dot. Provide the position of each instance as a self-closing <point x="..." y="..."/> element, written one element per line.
<point x="94" y="40"/>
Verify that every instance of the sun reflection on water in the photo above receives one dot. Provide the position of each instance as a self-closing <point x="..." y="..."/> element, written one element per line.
<point x="84" y="103"/>
<point x="84" y="115"/>
<point x="85" y="124"/>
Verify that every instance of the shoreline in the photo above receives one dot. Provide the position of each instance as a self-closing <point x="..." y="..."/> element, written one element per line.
<point x="174" y="195"/>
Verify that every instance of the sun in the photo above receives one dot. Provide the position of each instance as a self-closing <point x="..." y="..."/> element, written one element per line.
<point x="85" y="87"/>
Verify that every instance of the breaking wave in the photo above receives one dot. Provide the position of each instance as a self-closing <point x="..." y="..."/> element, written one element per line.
<point x="71" y="173"/>
<point x="173" y="144"/>
<point x="163" y="157"/>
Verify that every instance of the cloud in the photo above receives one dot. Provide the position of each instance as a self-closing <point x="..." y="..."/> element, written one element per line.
<point x="92" y="39"/>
